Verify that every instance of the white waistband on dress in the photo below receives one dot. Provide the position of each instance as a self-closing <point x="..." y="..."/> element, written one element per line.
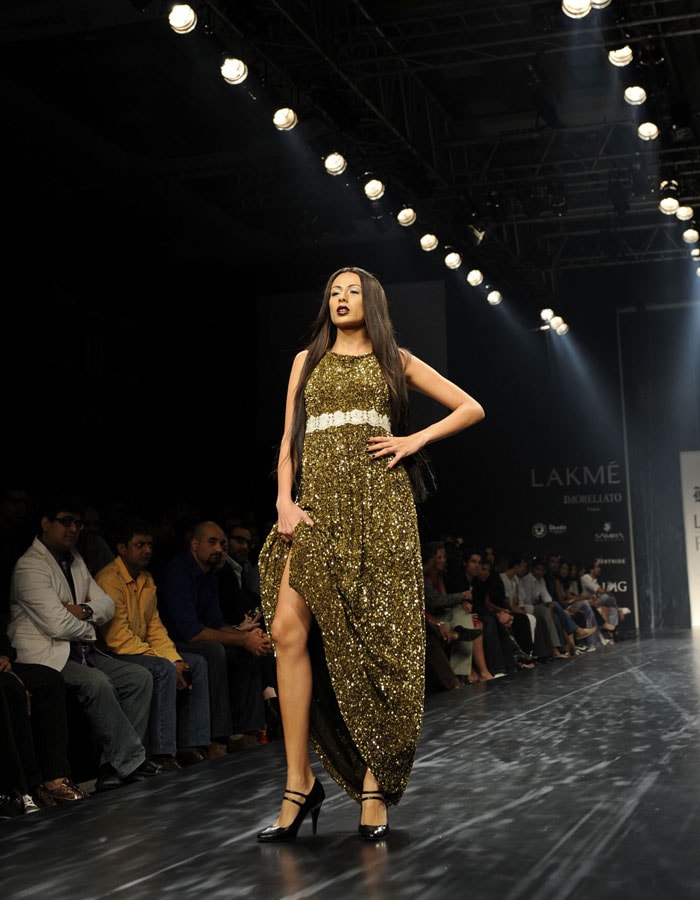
<point x="348" y="417"/>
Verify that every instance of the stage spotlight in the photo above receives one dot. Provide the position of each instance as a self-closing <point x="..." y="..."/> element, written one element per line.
<point x="621" y="56"/>
<point x="690" y="235"/>
<point x="685" y="213"/>
<point x="406" y="216"/>
<point x="600" y="4"/>
<point x="335" y="163"/>
<point x="648" y="131"/>
<point x="428" y="242"/>
<point x="562" y="329"/>
<point x="453" y="260"/>
<point x="373" y="187"/>
<point x="546" y="314"/>
<point x="285" y="119"/>
<point x="475" y="277"/>
<point x="668" y="197"/>
<point x="635" y="95"/>
<point x="182" y="18"/>
<point x="555" y="322"/>
<point x="494" y="297"/>
<point x="234" y="71"/>
<point x="695" y="253"/>
<point x="576" y="9"/>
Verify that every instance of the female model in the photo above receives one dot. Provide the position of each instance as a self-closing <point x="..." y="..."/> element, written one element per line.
<point x="341" y="574"/>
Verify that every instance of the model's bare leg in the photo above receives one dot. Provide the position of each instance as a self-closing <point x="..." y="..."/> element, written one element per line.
<point x="290" y="631"/>
<point x="372" y="812"/>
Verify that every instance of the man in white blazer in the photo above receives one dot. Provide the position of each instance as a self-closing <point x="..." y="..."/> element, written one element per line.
<point x="55" y="605"/>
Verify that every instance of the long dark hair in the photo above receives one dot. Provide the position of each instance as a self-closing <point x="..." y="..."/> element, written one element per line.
<point x="381" y="334"/>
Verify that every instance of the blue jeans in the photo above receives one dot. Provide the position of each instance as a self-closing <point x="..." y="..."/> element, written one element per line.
<point x="236" y="701"/>
<point x="178" y="719"/>
<point x="116" y="697"/>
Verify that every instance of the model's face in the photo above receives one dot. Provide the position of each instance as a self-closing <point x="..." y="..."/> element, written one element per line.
<point x="345" y="301"/>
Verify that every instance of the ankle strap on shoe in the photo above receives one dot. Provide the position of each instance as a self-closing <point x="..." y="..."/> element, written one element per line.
<point x="372" y="795"/>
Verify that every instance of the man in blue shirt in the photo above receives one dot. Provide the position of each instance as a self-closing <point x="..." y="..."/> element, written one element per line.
<point x="188" y="595"/>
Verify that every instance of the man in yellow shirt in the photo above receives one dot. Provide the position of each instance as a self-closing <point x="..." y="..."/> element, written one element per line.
<point x="179" y="718"/>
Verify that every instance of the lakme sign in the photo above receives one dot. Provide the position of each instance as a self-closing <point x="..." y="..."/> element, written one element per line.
<point x="580" y="511"/>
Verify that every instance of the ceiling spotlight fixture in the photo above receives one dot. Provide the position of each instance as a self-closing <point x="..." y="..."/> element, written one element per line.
<point x="453" y="260"/>
<point x="475" y="277"/>
<point x="668" y="197"/>
<point x="494" y="297"/>
<point x="695" y="252"/>
<point x="697" y="271"/>
<point x="374" y="188"/>
<point x="635" y="95"/>
<point x="234" y="71"/>
<point x="546" y="314"/>
<point x="690" y="235"/>
<point x="685" y="213"/>
<point x="285" y="119"/>
<point x="406" y="216"/>
<point x="428" y="242"/>
<point x="562" y="329"/>
<point x="182" y="18"/>
<point x="622" y="56"/>
<point x="335" y="163"/>
<point x="555" y="322"/>
<point x="576" y="9"/>
<point x="648" y="131"/>
<point x="600" y="4"/>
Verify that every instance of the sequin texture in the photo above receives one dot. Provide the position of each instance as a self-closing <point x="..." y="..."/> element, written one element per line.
<point x="359" y="570"/>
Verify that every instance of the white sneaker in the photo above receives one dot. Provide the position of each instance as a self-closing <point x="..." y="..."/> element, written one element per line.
<point x="29" y="804"/>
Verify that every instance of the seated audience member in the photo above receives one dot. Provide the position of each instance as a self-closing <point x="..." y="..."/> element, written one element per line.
<point x="536" y="599"/>
<point x="188" y="597"/>
<point x="567" y="618"/>
<point x="55" y="606"/>
<point x="239" y="600"/>
<point x="179" y="719"/>
<point x="461" y="631"/>
<point x="240" y="545"/>
<point x="529" y="631"/>
<point x="570" y="597"/>
<point x="514" y="655"/>
<point x="34" y="756"/>
<point x="604" y="602"/>
<point x="497" y="650"/>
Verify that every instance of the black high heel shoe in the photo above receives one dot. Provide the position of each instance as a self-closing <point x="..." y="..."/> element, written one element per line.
<point x="311" y="804"/>
<point x="373" y="832"/>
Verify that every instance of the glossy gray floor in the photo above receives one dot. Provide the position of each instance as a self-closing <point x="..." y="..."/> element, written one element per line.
<point x="580" y="779"/>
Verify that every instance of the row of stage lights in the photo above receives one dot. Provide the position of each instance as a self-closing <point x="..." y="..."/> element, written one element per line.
<point x="183" y="20"/>
<point x="636" y="95"/>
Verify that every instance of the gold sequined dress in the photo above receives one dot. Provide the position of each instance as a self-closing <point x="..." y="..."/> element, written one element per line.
<point x="359" y="570"/>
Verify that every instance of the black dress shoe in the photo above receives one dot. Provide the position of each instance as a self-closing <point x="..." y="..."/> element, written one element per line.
<point x="467" y="634"/>
<point x="146" y="770"/>
<point x="107" y="778"/>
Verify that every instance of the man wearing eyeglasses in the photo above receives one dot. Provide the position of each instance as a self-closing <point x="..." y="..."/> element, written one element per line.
<point x="55" y="606"/>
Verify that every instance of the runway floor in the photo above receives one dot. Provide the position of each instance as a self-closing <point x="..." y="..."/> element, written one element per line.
<point x="579" y="779"/>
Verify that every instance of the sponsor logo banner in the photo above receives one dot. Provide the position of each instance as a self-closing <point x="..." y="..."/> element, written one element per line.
<point x="580" y="511"/>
